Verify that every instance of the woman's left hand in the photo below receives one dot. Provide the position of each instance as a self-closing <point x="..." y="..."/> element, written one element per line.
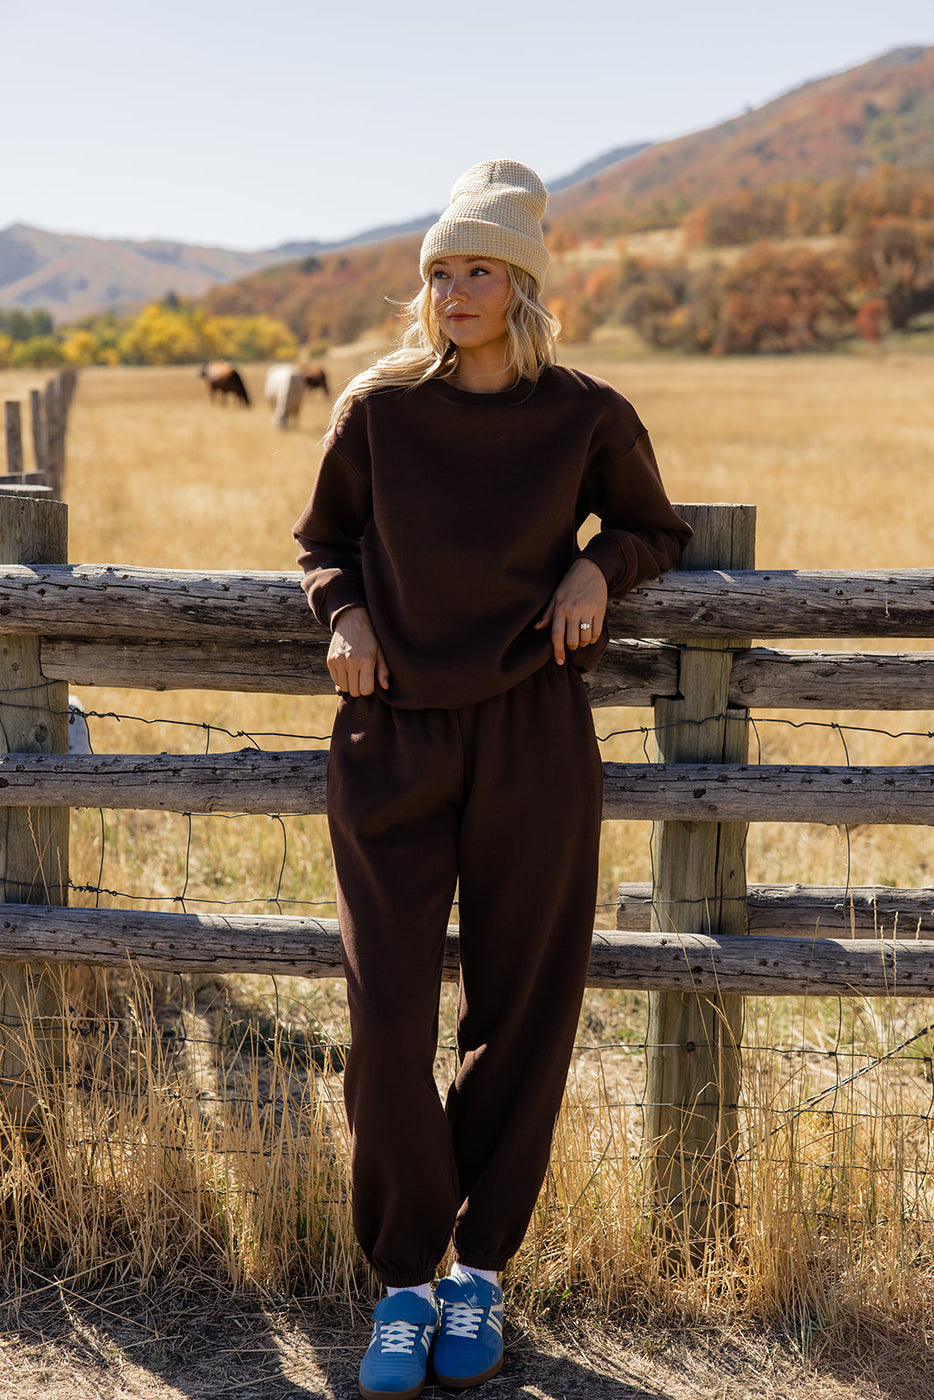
<point x="577" y="609"/>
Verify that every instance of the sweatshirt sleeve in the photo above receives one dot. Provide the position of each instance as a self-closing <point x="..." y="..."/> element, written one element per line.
<point x="330" y="529"/>
<point x="641" y="535"/>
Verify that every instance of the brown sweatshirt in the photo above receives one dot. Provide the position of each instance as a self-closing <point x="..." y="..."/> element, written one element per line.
<point x="453" y="517"/>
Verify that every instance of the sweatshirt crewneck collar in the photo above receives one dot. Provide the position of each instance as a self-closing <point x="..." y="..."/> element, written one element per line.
<point x="517" y="393"/>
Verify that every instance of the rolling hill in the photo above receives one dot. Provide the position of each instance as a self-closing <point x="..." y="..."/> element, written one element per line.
<point x="73" y="276"/>
<point x="875" y="118"/>
<point x="881" y="112"/>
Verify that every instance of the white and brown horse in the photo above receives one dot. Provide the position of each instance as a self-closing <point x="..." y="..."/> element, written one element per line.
<point x="283" y="392"/>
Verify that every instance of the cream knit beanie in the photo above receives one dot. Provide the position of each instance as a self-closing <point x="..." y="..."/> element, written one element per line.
<point x="495" y="212"/>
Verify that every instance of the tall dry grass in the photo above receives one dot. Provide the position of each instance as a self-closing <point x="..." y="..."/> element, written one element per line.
<point x="173" y="1144"/>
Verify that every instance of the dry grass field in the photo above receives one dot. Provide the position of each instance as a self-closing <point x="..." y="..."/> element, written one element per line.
<point x="829" y="1291"/>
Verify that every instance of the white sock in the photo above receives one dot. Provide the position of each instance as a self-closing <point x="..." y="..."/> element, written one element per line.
<point x="422" y="1289"/>
<point x="464" y="1271"/>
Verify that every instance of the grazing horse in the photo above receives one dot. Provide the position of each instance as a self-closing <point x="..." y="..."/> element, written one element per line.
<point x="223" y="378"/>
<point x="315" y="378"/>
<point x="285" y="386"/>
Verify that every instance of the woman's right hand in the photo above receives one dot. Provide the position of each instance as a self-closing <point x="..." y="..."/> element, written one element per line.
<point x="355" y="657"/>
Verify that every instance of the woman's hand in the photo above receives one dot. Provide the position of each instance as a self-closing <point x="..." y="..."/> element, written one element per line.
<point x="576" y="612"/>
<point x="355" y="657"/>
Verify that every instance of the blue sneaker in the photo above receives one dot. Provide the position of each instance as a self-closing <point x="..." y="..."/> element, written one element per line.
<point x="396" y="1362"/>
<point x="469" y="1346"/>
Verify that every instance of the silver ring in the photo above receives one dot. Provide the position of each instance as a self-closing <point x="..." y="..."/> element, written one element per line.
<point x="585" y="626"/>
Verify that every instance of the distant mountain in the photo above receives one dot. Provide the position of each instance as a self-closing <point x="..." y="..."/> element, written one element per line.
<point x="593" y="167"/>
<point x="289" y="252"/>
<point x="73" y="276"/>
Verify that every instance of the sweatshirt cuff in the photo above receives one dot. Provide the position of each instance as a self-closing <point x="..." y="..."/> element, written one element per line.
<point x="336" y="598"/>
<point x="607" y="555"/>
<point x="339" y="612"/>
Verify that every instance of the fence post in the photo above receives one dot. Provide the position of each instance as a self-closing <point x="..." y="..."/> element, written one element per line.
<point x="68" y="378"/>
<point x="14" y="439"/>
<point x="33" y="841"/>
<point x="699" y="886"/>
<point x="40" y="442"/>
<point x="55" y="436"/>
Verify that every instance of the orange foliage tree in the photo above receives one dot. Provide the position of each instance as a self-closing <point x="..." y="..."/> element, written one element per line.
<point x="778" y="300"/>
<point x="894" y="260"/>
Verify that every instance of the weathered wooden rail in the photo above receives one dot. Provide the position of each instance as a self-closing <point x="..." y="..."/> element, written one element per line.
<point x="698" y="940"/>
<point x="807" y="911"/>
<point x="631" y="672"/>
<point x="293" y="781"/>
<point x="78" y="600"/>
<point x="304" y="947"/>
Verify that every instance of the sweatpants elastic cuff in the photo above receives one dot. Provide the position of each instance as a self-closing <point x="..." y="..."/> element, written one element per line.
<point x="406" y="1280"/>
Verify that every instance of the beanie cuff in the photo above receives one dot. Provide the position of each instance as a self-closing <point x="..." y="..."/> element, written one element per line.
<point x="476" y="238"/>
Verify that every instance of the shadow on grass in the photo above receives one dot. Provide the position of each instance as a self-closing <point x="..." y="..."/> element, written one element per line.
<point x="175" y="1340"/>
<point x="875" y="1358"/>
<point x="167" y="1342"/>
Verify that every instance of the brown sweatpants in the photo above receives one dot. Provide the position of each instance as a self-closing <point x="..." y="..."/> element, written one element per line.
<point x="504" y="796"/>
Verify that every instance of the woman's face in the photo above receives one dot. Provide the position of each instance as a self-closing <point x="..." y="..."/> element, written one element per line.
<point x="470" y="297"/>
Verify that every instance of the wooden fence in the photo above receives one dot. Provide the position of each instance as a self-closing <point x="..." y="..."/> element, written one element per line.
<point x="698" y="940"/>
<point x="48" y="411"/>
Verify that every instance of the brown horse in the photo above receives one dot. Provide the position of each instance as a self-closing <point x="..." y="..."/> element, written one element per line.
<point x="315" y="378"/>
<point x="223" y="378"/>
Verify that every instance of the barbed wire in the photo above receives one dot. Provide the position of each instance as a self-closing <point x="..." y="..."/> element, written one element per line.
<point x="644" y="731"/>
<point x="761" y="721"/>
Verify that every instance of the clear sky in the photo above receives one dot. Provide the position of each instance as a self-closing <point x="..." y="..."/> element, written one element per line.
<point x="247" y="123"/>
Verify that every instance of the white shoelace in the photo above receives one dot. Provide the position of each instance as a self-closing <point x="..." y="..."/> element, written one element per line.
<point x="397" y="1336"/>
<point x="461" y="1320"/>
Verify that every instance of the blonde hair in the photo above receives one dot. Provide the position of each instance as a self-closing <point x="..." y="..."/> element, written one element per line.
<point x="425" y="352"/>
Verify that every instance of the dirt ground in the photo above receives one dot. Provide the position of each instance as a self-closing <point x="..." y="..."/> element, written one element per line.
<point x="173" y="1344"/>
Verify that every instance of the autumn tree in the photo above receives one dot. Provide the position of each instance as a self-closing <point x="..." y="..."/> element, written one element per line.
<point x="782" y="300"/>
<point x="894" y="260"/>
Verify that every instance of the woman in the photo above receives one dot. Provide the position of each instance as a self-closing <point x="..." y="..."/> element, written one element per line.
<point x="440" y="547"/>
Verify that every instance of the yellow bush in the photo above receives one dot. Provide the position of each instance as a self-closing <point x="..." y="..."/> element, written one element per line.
<point x="81" y="347"/>
<point x="221" y="337"/>
<point x="264" y="338"/>
<point x="161" y="335"/>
